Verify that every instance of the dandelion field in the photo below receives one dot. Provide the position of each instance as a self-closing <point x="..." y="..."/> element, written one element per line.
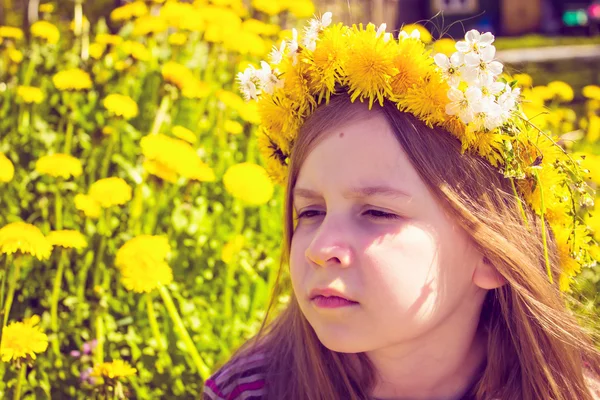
<point x="139" y="234"/>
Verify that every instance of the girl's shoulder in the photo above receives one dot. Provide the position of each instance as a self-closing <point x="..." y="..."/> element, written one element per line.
<point x="239" y="379"/>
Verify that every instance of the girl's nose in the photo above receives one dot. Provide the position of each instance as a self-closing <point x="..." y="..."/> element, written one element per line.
<point x="330" y="247"/>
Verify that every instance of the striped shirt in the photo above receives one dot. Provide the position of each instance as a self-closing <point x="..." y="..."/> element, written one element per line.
<point x="242" y="379"/>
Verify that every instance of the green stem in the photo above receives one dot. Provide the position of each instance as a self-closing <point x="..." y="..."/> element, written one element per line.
<point x="231" y="269"/>
<point x="520" y="202"/>
<point x="58" y="207"/>
<point x="56" y="293"/>
<point x="16" y="271"/>
<point x="4" y="273"/>
<point x="202" y="368"/>
<point x="17" y="394"/>
<point x="161" y="114"/>
<point x="31" y="66"/>
<point x="99" y="324"/>
<point x="68" y="137"/>
<point x="544" y="229"/>
<point x="156" y="331"/>
<point x="107" y="156"/>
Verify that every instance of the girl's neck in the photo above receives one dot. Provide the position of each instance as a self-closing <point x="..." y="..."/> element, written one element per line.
<point x="442" y="366"/>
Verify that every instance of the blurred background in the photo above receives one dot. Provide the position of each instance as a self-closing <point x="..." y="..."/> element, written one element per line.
<point x="139" y="232"/>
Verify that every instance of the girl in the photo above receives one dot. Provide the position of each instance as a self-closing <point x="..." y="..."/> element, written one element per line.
<point x="422" y="262"/>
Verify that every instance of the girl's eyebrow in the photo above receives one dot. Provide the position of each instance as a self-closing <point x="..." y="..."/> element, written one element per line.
<point x="356" y="193"/>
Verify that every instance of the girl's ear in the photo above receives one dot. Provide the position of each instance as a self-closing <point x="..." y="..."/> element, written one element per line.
<point x="486" y="276"/>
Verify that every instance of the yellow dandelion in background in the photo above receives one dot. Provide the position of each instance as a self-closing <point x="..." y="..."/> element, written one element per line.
<point x="562" y="91"/>
<point x="591" y="92"/>
<point x="45" y="30"/>
<point x="59" y="166"/>
<point x="203" y="173"/>
<point x="260" y="28"/>
<point x="129" y="11"/>
<point x="117" y="369"/>
<point x="46" y="8"/>
<point x="231" y="248"/>
<point x="7" y="169"/>
<point x="121" y="105"/>
<point x="250" y="113"/>
<point x="89" y="206"/>
<point x="249" y="183"/>
<point x="269" y="7"/>
<point x="233" y="127"/>
<point x="96" y="50"/>
<point x="149" y="25"/>
<point x="141" y="261"/>
<point x="195" y="89"/>
<point x="156" y="168"/>
<point x="110" y="192"/>
<point x="302" y="8"/>
<point x="136" y="50"/>
<point x="230" y="99"/>
<point x="184" y="133"/>
<point x="445" y="46"/>
<point x="68" y="239"/>
<point x="523" y="80"/>
<point x="177" y="39"/>
<point x="15" y="55"/>
<point x="25" y="238"/>
<point x="30" y="94"/>
<point x="176" y="73"/>
<point x="367" y="76"/>
<point x="424" y="32"/>
<point x="23" y="340"/>
<point x="72" y="79"/>
<point x="107" y="39"/>
<point x="11" y="32"/>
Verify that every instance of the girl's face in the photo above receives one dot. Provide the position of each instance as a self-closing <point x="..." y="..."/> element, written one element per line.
<point x="369" y="227"/>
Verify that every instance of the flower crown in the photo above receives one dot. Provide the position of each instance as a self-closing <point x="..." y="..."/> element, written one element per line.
<point x="463" y="93"/>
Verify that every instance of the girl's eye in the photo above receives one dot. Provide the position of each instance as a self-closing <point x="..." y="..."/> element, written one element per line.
<point x="380" y="214"/>
<point x="308" y="214"/>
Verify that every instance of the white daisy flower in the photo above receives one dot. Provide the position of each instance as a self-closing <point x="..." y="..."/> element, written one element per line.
<point x="450" y="66"/>
<point x="463" y="103"/>
<point x="475" y="41"/>
<point x="479" y="67"/>
<point x="276" y="54"/>
<point x="414" y="35"/>
<point x="246" y="81"/>
<point x="268" y="79"/>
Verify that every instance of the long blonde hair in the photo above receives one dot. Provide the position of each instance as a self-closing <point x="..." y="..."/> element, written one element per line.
<point x="536" y="349"/>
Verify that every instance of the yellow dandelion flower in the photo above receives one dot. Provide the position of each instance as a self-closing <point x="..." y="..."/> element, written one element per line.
<point x="68" y="239"/>
<point x="149" y="25"/>
<point x="328" y="60"/>
<point x="233" y="127"/>
<point x="412" y="63"/>
<point x="260" y="28"/>
<point x="110" y="192"/>
<point x="136" y="50"/>
<point x="59" y="166"/>
<point x="30" y="94"/>
<point x="171" y="154"/>
<point x="177" y="39"/>
<point x="427" y="101"/>
<point x="23" y="340"/>
<point x="7" y="169"/>
<point x="156" y="168"/>
<point x="231" y="248"/>
<point x="302" y="8"/>
<point x="250" y="113"/>
<point x="121" y="105"/>
<point x="142" y="265"/>
<point x="552" y="183"/>
<point x="445" y="46"/>
<point x="249" y="183"/>
<point x="72" y="79"/>
<point x="97" y="50"/>
<point x="11" y="32"/>
<point x="244" y="43"/>
<point x="195" y="89"/>
<point x="424" y="32"/>
<point x="523" y="80"/>
<point x="107" y="39"/>
<point x="367" y="76"/>
<point x="46" y="8"/>
<point x="184" y="133"/>
<point x="45" y="30"/>
<point x="114" y="370"/>
<point x="177" y="74"/>
<point x="88" y="205"/>
<point x="230" y="99"/>
<point x="591" y="92"/>
<point x="269" y="7"/>
<point x="26" y="238"/>
<point x="279" y="115"/>
<point x="129" y="11"/>
<point x="15" y="55"/>
<point x="561" y="90"/>
<point x="490" y="146"/>
<point x="203" y="173"/>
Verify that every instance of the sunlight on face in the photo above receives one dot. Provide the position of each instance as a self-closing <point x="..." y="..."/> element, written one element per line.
<point x="370" y="228"/>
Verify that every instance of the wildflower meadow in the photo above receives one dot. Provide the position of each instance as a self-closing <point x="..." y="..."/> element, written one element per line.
<point x="139" y="231"/>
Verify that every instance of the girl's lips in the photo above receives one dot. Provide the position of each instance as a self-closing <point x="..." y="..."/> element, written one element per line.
<point x="332" y="302"/>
